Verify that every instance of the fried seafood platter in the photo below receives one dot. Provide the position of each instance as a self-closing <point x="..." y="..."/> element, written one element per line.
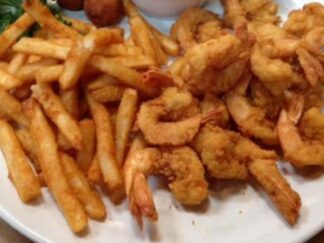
<point x="225" y="109"/>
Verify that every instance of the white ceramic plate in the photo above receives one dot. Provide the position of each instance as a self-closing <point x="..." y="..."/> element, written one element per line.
<point x="234" y="213"/>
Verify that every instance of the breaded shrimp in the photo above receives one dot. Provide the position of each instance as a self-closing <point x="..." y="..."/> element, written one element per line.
<point x="228" y="155"/>
<point x="225" y="153"/>
<point x="159" y="132"/>
<point x="275" y="74"/>
<point x="234" y="12"/>
<point x="303" y="20"/>
<point x="312" y="67"/>
<point x="213" y="66"/>
<point x="263" y="11"/>
<point x="313" y="41"/>
<point x="300" y="152"/>
<point x="180" y="165"/>
<point x="311" y="124"/>
<point x="184" y="30"/>
<point x="280" y="192"/>
<point x="250" y="119"/>
<point x="211" y="103"/>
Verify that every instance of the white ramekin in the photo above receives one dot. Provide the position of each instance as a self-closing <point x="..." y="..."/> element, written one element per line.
<point x="166" y="8"/>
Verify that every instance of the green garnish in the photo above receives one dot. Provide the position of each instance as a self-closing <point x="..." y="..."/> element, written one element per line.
<point x="11" y="10"/>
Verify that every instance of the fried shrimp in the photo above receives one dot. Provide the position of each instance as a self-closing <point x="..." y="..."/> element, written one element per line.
<point x="261" y="98"/>
<point x="313" y="41"/>
<point x="228" y="155"/>
<point x="225" y="153"/>
<point x="312" y="67"/>
<point x="303" y="20"/>
<point x="251" y="120"/>
<point x="311" y="124"/>
<point x="213" y="66"/>
<point x="187" y="25"/>
<point x="211" y="103"/>
<point x="262" y="11"/>
<point x="159" y="132"/>
<point x="180" y="165"/>
<point x="209" y="30"/>
<point x="286" y="200"/>
<point x="299" y="151"/>
<point x="251" y="11"/>
<point x="275" y="74"/>
<point x="234" y="12"/>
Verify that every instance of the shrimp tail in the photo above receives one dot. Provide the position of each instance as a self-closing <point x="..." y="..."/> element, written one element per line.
<point x="157" y="78"/>
<point x="141" y="200"/>
<point x="212" y="115"/>
<point x="282" y="195"/>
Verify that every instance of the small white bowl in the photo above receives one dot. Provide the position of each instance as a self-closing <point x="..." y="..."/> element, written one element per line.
<point x="166" y="8"/>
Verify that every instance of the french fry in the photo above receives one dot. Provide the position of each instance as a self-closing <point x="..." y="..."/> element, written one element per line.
<point x="130" y="9"/>
<point x="123" y="74"/>
<point x="144" y="35"/>
<point x="108" y="36"/>
<point x="20" y="171"/>
<point x="56" y="111"/>
<point x="168" y="45"/>
<point x="70" y="100"/>
<point x="48" y="155"/>
<point x="125" y="121"/>
<point x="34" y="46"/>
<point x="109" y="93"/>
<point x="114" y="50"/>
<point x="94" y="174"/>
<point x="12" y="108"/>
<point x="160" y="57"/>
<point x="91" y="200"/>
<point x="43" y="34"/>
<point x="27" y="72"/>
<point x="8" y="81"/>
<point x="49" y="74"/>
<point x="82" y="27"/>
<point x="137" y="143"/>
<point x="136" y="62"/>
<point x="106" y="150"/>
<point x="76" y="61"/>
<point x="141" y="36"/>
<point x="46" y="19"/>
<point x="81" y="51"/>
<point x="17" y="61"/>
<point x="33" y="58"/>
<point x="103" y="38"/>
<point x="14" y="31"/>
<point x="28" y="144"/>
<point x="102" y="81"/>
<point x="63" y="143"/>
<point x="62" y="42"/>
<point x="84" y="157"/>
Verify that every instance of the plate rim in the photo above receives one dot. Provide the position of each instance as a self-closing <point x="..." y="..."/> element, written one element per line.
<point x="31" y="234"/>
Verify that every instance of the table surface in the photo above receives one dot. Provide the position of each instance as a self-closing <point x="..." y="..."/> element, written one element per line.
<point x="9" y="235"/>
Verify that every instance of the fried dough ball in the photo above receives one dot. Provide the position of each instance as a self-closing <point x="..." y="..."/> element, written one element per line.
<point x="74" y="5"/>
<point x="105" y="12"/>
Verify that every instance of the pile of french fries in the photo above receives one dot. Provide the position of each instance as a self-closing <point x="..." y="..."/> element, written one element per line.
<point x="69" y="97"/>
